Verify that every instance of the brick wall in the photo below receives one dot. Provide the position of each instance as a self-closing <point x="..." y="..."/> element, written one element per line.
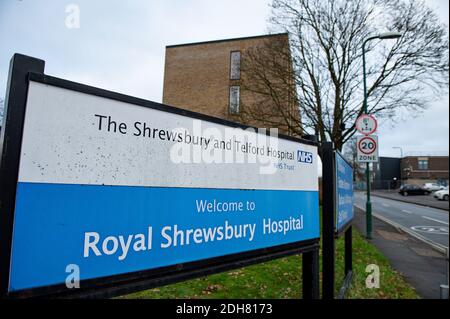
<point x="438" y="168"/>
<point x="197" y="76"/>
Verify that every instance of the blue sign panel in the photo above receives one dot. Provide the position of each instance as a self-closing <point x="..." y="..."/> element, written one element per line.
<point x="344" y="193"/>
<point x="114" y="230"/>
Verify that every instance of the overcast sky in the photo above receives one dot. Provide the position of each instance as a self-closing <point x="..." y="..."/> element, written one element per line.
<point x="120" y="46"/>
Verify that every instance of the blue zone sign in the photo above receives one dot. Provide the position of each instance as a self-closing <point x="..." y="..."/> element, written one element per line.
<point x="113" y="188"/>
<point x="344" y="192"/>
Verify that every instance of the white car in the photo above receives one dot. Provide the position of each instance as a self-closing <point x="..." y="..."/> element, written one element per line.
<point x="432" y="187"/>
<point x="442" y="195"/>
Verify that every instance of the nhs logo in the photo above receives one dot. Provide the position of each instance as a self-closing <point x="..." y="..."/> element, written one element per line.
<point x="305" y="157"/>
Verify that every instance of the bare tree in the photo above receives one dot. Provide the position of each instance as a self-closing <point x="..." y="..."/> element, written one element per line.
<point x="351" y="154"/>
<point x="326" y="39"/>
<point x="268" y="79"/>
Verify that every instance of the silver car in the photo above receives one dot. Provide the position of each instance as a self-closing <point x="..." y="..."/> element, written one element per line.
<point x="442" y="194"/>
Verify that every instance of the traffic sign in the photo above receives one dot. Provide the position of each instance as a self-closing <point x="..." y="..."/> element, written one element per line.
<point x="367" y="147"/>
<point x="366" y="124"/>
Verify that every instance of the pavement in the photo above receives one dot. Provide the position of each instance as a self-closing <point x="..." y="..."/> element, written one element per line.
<point x="424" y="200"/>
<point x="421" y="266"/>
<point x="427" y="223"/>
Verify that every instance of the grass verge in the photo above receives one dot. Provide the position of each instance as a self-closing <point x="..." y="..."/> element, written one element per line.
<point x="281" y="279"/>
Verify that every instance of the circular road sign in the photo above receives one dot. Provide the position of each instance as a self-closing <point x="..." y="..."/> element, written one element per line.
<point x="366" y="124"/>
<point x="367" y="145"/>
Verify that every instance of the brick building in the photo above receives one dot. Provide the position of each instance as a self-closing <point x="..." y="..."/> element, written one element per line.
<point x="425" y="169"/>
<point x="207" y="77"/>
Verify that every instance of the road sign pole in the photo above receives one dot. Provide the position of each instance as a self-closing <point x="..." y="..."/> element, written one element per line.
<point x="328" y="221"/>
<point x="368" y="202"/>
<point x="388" y="35"/>
<point x="311" y="280"/>
<point x="368" y="205"/>
<point x="10" y="147"/>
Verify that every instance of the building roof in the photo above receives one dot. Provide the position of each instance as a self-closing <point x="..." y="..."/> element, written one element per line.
<point x="228" y="40"/>
<point x="426" y="156"/>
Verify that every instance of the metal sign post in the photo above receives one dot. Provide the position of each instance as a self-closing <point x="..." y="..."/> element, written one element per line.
<point x="337" y="217"/>
<point x="11" y="140"/>
<point x="328" y="222"/>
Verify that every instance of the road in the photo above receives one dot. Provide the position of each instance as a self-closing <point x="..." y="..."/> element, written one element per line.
<point x="428" y="222"/>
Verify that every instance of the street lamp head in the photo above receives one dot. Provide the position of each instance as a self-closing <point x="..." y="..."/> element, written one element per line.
<point x="401" y="150"/>
<point x="384" y="36"/>
<point x="390" y="35"/>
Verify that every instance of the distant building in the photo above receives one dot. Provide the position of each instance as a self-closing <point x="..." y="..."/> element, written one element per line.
<point x="425" y="169"/>
<point x="207" y="78"/>
<point x="390" y="172"/>
<point x="387" y="173"/>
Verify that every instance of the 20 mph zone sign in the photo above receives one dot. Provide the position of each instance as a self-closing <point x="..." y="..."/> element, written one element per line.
<point x="367" y="149"/>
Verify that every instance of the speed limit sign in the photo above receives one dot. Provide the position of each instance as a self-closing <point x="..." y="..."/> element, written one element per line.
<point x="367" y="147"/>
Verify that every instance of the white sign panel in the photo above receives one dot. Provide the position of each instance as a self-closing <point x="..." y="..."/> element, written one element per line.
<point x="76" y="138"/>
<point x="367" y="147"/>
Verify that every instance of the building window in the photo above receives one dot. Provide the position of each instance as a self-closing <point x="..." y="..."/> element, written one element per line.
<point x="235" y="92"/>
<point x="235" y="65"/>
<point x="423" y="164"/>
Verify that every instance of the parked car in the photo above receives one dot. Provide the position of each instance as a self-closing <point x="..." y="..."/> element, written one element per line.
<point x="442" y="195"/>
<point x="407" y="190"/>
<point x="432" y="187"/>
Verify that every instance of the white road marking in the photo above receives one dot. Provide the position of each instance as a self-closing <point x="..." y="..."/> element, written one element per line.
<point x="440" y="247"/>
<point x="386" y="205"/>
<point x="406" y="211"/>
<point x="435" y="220"/>
<point x="431" y="230"/>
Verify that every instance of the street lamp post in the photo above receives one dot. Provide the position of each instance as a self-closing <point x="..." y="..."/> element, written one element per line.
<point x="401" y="157"/>
<point x="388" y="35"/>
<point x="401" y="150"/>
